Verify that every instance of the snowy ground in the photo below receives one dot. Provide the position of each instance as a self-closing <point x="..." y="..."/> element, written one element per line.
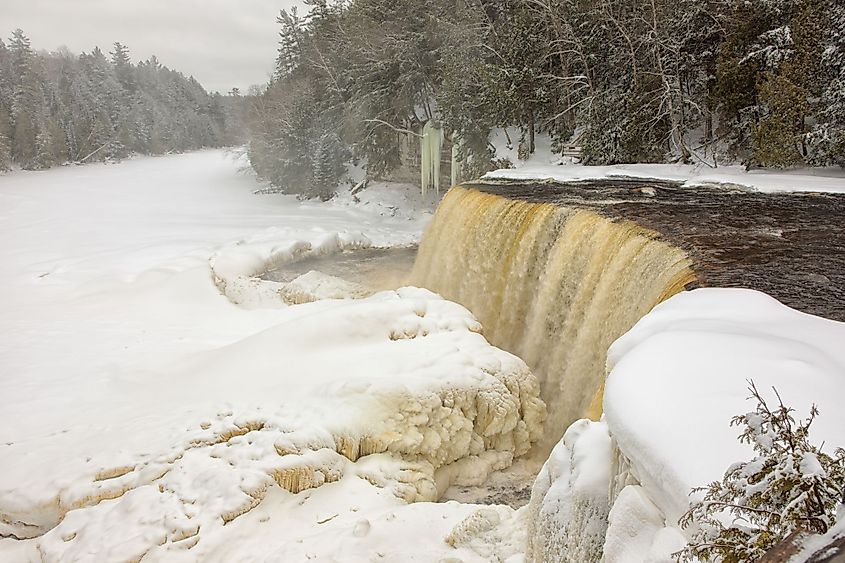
<point x="545" y="165"/>
<point x="144" y="412"/>
<point x="829" y="180"/>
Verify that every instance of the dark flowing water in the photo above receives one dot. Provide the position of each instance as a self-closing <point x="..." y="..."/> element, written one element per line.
<point x="789" y="245"/>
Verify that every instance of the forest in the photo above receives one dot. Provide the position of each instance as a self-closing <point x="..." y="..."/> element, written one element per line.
<point x="758" y="82"/>
<point x="57" y="107"/>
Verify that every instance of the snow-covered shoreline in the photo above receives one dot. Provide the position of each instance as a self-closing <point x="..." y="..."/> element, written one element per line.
<point x="675" y="381"/>
<point x="826" y="180"/>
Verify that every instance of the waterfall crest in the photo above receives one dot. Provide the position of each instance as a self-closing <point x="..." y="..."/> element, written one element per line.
<point x="554" y="285"/>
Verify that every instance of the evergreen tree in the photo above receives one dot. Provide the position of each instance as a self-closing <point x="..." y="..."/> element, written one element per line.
<point x="827" y="141"/>
<point x="291" y="38"/>
<point x="56" y="107"/>
<point x="21" y="54"/>
<point x="122" y="65"/>
<point x="790" y="485"/>
<point x="519" y="69"/>
<point x="5" y="155"/>
<point x="329" y="157"/>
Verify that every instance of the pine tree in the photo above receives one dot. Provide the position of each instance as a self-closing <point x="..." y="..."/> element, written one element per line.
<point x="827" y="141"/>
<point x="5" y="154"/>
<point x="779" y="134"/>
<point x="123" y="70"/>
<point x="291" y="38"/>
<point x="21" y="52"/>
<point x="329" y="158"/>
<point x="790" y="485"/>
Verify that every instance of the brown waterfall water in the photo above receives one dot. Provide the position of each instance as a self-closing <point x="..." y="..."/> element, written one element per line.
<point x="556" y="272"/>
<point x="789" y="245"/>
<point x="553" y="284"/>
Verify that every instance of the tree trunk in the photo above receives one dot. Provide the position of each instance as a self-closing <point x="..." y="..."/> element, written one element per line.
<point x="531" y="126"/>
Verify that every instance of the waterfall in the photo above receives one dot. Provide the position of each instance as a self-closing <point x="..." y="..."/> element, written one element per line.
<point x="554" y="285"/>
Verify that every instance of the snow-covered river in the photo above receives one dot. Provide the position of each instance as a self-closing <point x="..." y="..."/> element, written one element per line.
<point x="160" y="402"/>
<point x="143" y="412"/>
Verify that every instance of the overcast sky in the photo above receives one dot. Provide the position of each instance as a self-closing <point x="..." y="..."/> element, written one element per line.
<point x="222" y="43"/>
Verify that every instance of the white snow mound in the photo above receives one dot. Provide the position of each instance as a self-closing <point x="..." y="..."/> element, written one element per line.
<point x="408" y="375"/>
<point x="681" y="373"/>
<point x="676" y="379"/>
<point x="144" y="413"/>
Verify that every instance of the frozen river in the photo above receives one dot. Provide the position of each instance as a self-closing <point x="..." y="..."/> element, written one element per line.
<point x="157" y="404"/>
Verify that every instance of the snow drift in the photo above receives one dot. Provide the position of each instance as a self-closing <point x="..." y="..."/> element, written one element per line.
<point x="146" y="415"/>
<point x="675" y="380"/>
<point x="408" y="377"/>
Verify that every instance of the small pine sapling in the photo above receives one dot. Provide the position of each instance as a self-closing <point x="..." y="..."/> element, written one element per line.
<point x="790" y="485"/>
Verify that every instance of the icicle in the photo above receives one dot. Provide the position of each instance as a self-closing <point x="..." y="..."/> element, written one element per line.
<point x="430" y="144"/>
<point x="456" y="162"/>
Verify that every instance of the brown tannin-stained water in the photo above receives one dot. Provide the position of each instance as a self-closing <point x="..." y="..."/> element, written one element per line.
<point x="557" y="272"/>
<point x="553" y="284"/>
<point x="377" y="269"/>
<point x="789" y="245"/>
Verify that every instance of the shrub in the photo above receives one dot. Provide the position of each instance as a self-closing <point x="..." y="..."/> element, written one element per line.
<point x="789" y="485"/>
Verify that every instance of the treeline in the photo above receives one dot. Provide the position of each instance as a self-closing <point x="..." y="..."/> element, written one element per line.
<point x="58" y="107"/>
<point x="755" y="81"/>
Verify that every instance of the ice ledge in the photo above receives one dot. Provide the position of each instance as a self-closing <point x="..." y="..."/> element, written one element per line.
<point x="410" y="398"/>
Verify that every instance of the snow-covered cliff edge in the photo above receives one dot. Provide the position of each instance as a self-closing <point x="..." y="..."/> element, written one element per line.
<point x="615" y="489"/>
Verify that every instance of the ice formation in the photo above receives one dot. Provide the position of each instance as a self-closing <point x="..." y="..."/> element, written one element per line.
<point x="675" y="381"/>
<point x="554" y="285"/>
<point x="236" y="267"/>
<point x="567" y="515"/>
<point x="425" y="406"/>
<point x="146" y="416"/>
<point x="426" y="390"/>
<point x="430" y="147"/>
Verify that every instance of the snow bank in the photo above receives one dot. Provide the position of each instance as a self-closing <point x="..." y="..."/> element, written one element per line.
<point x="389" y="199"/>
<point x="406" y="374"/>
<point x="824" y="548"/>
<point x="676" y="379"/>
<point x="679" y="375"/>
<point x="348" y="520"/>
<point x="805" y="180"/>
<point x="144" y="413"/>
<point x="567" y="516"/>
